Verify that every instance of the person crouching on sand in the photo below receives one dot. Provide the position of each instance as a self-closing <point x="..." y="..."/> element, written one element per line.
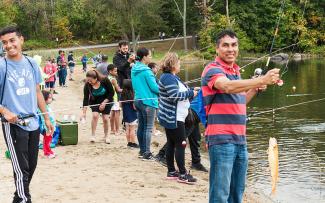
<point x="98" y="91"/>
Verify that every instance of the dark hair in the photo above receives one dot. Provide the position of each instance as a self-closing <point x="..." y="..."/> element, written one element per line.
<point x="224" y="33"/>
<point x="152" y="65"/>
<point x="10" y="29"/>
<point x="127" y="92"/>
<point x="95" y="74"/>
<point x="110" y="67"/>
<point x="123" y="43"/>
<point x="60" y="51"/>
<point x="46" y="94"/>
<point x="104" y="57"/>
<point x="142" y="52"/>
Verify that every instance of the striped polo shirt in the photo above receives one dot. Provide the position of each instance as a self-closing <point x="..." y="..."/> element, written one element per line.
<point x="226" y="113"/>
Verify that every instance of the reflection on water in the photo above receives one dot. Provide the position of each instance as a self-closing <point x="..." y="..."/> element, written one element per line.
<point x="300" y="132"/>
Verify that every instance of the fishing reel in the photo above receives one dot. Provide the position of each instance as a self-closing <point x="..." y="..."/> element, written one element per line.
<point x="259" y="72"/>
<point x="23" y="119"/>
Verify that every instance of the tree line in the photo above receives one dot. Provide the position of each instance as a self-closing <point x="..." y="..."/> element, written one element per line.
<point x="49" y="23"/>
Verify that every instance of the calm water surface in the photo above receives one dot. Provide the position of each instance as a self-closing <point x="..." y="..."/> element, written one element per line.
<point x="300" y="131"/>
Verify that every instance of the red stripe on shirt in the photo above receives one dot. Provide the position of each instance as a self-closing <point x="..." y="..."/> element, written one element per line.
<point x="225" y="129"/>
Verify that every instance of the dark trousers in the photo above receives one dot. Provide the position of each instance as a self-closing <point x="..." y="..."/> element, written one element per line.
<point x="175" y="137"/>
<point x="62" y="76"/>
<point x="194" y="137"/>
<point x="23" y="148"/>
<point x="84" y="66"/>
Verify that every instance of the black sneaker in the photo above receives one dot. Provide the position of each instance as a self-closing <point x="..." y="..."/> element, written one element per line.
<point x="161" y="159"/>
<point x="148" y="157"/>
<point x="129" y="144"/>
<point x="186" y="178"/>
<point x="199" y="167"/>
<point x="134" y="145"/>
<point x="140" y="155"/>
<point x="172" y="175"/>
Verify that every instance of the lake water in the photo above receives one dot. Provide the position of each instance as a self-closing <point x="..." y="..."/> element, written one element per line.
<point x="299" y="130"/>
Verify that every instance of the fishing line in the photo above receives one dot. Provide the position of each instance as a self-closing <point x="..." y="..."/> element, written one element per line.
<point x="286" y="68"/>
<point x="301" y="95"/>
<point x="285" y="107"/>
<point x="243" y="67"/>
<point x="173" y="43"/>
<point x="85" y="48"/>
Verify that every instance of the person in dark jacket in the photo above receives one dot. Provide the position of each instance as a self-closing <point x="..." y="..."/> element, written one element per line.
<point x="62" y="64"/>
<point x="71" y="64"/>
<point x="124" y="61"/>
<point x="98" y="91"/>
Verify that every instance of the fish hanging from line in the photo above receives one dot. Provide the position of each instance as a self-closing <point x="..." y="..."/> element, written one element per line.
<point x="273" y="156"/>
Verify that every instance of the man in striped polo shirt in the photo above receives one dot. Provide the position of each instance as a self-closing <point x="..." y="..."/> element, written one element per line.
<point x="225" y="98"/>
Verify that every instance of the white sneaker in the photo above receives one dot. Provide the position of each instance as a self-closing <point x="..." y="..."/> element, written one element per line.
<point x="92" y="139"/>
<point x="107" y="140"/>
<point x="51" y="156"/>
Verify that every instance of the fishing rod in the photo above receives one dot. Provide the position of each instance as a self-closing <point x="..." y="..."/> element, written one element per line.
<point x="281" y="10"/>
<point x="22" y="119"/>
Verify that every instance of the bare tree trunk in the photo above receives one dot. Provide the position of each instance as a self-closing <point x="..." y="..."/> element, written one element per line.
<point x="133" y="36"/>
<point x="205" y="10"/>
<point x="227" y="12"/>
<point x="184" y="26"/>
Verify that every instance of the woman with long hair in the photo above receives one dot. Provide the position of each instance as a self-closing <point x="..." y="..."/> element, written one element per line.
<point x="98" y="91"/>
<point x="146" y="95"/>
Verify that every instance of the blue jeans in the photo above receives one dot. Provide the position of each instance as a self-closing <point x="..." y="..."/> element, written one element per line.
<point x="62" y="76"/>
<point x="146" y="119"/>
<point x="228" y="168"/>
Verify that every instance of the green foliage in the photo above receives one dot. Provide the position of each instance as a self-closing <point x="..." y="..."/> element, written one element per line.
<point x="255" y="22"/>
<point x="103" y="21"/>
<point x="37" y="44"/>
<point x="217" y="24"/>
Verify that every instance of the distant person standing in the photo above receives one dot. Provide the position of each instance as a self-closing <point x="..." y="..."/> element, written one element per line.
<point x="71" y="64"/>
<point x="61" y="61"/>
<point x="97" y="59"/>
<point x="163" y="35"/>
<point x="84" y="61"/>
<point x="102" y="66"/>
<point x="115" y="111"/>
<point x="50" y="70"/>
<point x="123" y="60"/>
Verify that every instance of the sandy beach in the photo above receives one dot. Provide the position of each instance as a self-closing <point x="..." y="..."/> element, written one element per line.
<point x="99" y="172"/>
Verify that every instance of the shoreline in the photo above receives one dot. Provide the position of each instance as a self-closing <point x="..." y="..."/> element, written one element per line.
<point x="103" y="173"/>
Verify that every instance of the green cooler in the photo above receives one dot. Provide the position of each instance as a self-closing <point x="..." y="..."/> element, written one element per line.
<point x="69" y="132"/>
